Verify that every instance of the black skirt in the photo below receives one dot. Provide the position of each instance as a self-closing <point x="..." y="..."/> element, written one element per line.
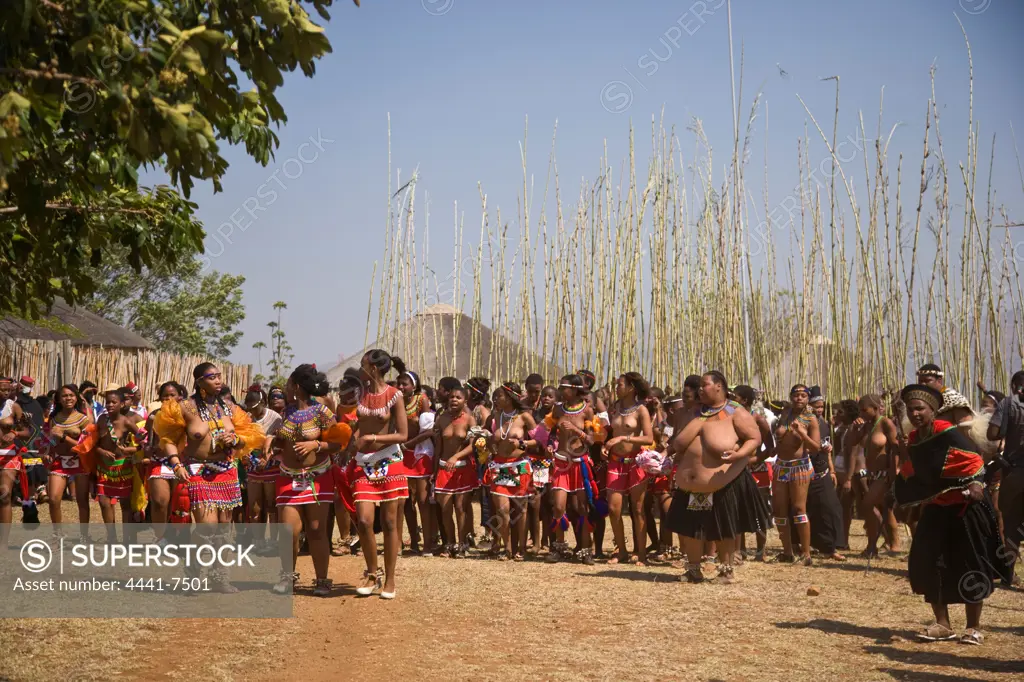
<point x="825" y="515"/>
<point x="956" y="556"/>
<point x="736" y="509"/>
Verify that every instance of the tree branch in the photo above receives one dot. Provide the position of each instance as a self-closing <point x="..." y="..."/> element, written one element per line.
<point x="59" y="8"/>
<point x="51" y="75"/>
<point x="69" y="207"/>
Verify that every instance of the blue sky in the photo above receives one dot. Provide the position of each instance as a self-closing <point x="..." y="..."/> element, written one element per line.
<point x="459" y="79"/>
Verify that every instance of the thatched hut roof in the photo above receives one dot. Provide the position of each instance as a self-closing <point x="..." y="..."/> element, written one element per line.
<point x="442" y="341"/>
<point x="77" y="325"/>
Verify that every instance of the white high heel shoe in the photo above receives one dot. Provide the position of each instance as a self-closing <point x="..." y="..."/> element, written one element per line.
<point x="389" y="595"/>
<point x="370" y="589"/>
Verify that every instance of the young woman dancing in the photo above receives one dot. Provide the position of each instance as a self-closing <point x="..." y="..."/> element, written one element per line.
<point x="479" y="401"/>
<point x="956" y="556"/>
<point x="160" y="477"/>
<point x="118" y="439"/>
<point x="663" y="482"/>
<point x="577" y="429"/>
<point x="202" y="438"/>
<point x="845" y="465"/>
<point x="262" y="466"/>
<point x="761" y="469"/>
<point x="12" y="425"/>
<point x="349" y="389"/>
<point x="509" y="474"/>
<point x="796" y="436"/>
<point x="309" y="434"/>
<point x="631" y="432"/>
<point x="376" y="473"/>
<point x="877" y="434"/>
<point x="539" y="506"/>
<point x="419" y="464"/>
<point x="68" y="421"/>
<point x="456" y="475"/>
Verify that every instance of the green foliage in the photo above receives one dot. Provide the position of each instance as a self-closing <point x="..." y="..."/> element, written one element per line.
<point x="180" y="309"/>
<point x="92" y="91"/>
<point x="56" y="325"/>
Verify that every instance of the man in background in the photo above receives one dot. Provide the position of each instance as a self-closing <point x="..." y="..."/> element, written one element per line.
<point x="90" y="392"/>
<point x="135" y="401"/>
<point x="1007" y="424"/>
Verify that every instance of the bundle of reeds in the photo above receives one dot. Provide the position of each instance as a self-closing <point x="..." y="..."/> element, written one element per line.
<point x="668" y="277"/>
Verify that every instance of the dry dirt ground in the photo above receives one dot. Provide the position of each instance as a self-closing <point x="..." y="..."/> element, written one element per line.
<point x="483" y="619"/>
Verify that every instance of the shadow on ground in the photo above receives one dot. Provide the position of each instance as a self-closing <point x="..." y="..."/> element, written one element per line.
<point x="941" y="658"/>
<point x="879" y="635"/>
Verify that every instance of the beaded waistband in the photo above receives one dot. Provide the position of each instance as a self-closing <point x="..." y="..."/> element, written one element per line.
<point x="567" y="458"/>
<point x="307" y="472"/>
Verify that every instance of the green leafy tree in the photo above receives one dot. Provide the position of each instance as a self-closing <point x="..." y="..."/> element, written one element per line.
<point x="182" y="309"/>
<point x="90" y="92"/>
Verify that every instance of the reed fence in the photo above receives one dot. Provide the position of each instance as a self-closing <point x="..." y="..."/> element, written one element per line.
<point x="54" y="363"/>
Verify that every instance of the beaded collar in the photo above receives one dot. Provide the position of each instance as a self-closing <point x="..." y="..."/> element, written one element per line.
<point x="725" y="410"/>
<point x="628" y="411"/>
<point x="378" y="404"/>
<point x="571" y="411"/>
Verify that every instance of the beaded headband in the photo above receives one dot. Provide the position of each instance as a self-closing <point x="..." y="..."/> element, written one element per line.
<point x="930" y="373"/>
<point x="505" y="387"/>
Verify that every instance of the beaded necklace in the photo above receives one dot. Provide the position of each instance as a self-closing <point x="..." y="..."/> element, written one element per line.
<point x="295" y="420"/>
<point x="71" y="420"/>
<point x="124" y="440"/>
<point x="378" y="404"/>
<point x="572" y="411"/>
<point x="705" y="412"/>
<point x="214" y="418"/>
<point x="629" y="410"/>
<point x="503" y="418"/>
<point x="412" y="408"/>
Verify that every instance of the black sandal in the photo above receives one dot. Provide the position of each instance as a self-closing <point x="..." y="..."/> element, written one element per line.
<point x="692" y="575"/>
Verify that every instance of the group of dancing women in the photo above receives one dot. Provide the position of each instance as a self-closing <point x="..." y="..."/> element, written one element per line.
<point x="714" y="463"/>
